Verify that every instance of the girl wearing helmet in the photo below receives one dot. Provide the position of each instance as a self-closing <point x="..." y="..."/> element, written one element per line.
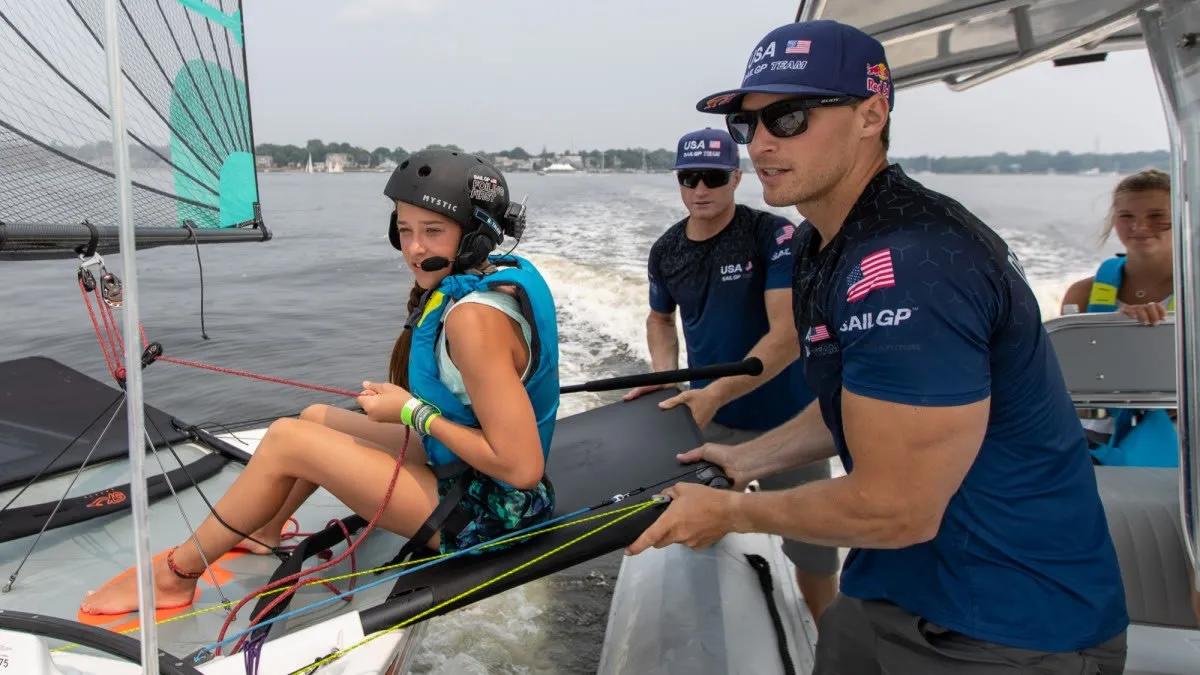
<point x="474" y="377"/>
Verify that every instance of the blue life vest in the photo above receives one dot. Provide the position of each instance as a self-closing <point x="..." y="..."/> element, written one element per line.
<point x="1153" y="441"/>
<point x="537" y="306"/>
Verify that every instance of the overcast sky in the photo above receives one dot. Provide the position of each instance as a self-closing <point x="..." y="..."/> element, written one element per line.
<point x="492" y="74"/>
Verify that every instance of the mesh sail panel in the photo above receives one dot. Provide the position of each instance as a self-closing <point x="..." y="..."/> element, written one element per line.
<point x="187" y="115"/>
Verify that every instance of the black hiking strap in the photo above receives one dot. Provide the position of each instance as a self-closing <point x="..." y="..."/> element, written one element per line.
<point x="309" y="547"/>
<point x="447" y="518"/>
<point x="452" y="470"/>
<point x="27" y="520"/>
<point x="760" y="565"/>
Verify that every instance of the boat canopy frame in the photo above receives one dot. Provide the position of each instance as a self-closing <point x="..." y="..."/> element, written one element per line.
<point x="965" y="43"/>
<point x="1172" y="36"/>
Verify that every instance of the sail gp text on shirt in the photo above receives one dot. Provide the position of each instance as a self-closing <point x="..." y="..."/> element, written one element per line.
<point x="817" y="342"/>
<point x="884" y="317"/>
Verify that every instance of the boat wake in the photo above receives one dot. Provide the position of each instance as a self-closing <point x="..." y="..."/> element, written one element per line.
<point x="602" y="319"/>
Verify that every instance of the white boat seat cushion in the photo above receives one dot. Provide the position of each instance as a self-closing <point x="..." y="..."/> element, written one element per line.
<point x="1142" y="506"/>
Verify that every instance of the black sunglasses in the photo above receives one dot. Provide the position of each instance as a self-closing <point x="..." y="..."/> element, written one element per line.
<point x="713" y="178"/>
<point x="783" y="119"/>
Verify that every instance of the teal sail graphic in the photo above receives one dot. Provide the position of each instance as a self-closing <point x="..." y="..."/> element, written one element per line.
<point x="231" y="22"/>
<point x="188" y="118"/>
<point x="233" y="201"/>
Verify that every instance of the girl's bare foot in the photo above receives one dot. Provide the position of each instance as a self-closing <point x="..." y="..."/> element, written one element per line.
<point x="120" y="595"/>
<point x="256" y="548"/>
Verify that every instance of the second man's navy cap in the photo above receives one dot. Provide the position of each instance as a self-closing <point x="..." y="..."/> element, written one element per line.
<point x="707" y="149"/>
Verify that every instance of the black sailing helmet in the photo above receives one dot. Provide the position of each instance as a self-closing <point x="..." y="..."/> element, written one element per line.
<point x="466" y="189"/>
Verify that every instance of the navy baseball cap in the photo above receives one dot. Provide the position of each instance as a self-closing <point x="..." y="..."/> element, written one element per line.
<point x="820" y="58"/>
<point x="707" y="149"/>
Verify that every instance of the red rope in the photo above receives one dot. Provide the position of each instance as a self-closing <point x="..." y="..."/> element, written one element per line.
<point x="323" y="555"/>
<point x="111" y="361"/>
<point x="268" y="378"/>
<point x="114" y="349"/>
<point x="110" y="323"/>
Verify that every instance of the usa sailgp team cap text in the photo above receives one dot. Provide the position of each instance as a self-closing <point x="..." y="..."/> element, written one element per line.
<point x="818" y="58"/>
<point x="707" y="149"/>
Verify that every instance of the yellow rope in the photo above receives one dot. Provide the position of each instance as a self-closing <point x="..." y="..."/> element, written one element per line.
<point x="497" y="542"/>
<point x="633" y="510"/>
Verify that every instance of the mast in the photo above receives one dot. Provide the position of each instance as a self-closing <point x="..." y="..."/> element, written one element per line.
<point x="133" y="357"/>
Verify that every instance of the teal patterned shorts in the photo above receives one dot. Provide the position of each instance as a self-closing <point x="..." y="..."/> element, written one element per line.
<point x="494" y="510"/>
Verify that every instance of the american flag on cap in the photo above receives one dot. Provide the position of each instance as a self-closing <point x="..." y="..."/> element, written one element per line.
<point x="873" y="271"/>
<point x="797" y="46"/>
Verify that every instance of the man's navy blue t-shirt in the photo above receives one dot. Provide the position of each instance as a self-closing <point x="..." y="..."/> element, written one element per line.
<point x="915" y="301"/>
<point x="718" y="286"/>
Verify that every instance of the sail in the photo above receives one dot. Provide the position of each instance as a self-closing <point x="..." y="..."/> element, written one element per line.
<point x="187" y="108"/>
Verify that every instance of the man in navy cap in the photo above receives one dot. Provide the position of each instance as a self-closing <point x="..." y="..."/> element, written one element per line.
<point x="728" y="269"/>
<point x="978" y="540"/>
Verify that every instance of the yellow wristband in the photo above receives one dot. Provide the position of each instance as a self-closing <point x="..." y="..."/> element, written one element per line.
<point x="429" y="421"/>
<point x="407" y="411"/>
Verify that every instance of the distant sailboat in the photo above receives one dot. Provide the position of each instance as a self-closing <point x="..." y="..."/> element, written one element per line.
<point x="309" y="169"/>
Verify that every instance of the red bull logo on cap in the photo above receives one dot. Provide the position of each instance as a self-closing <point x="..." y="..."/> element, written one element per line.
<point x="719" y="100"/>
<point x="878" y="79"/>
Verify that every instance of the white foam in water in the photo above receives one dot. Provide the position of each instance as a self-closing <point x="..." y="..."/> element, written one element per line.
<point x="602" y="310"/>
<point x="490" y="636"/>
<point x="1050" y="290"/>
<point x="569" y="372"/>
<point x="602" y="323"/>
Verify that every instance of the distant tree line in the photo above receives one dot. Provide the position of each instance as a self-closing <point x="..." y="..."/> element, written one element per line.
<point x="1035" y="161"/>
<point x="283" y="155"/>
<point x="100" y="153"/>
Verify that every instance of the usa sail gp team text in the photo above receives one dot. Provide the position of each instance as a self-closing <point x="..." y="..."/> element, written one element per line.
<point x="753" y="67"/>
